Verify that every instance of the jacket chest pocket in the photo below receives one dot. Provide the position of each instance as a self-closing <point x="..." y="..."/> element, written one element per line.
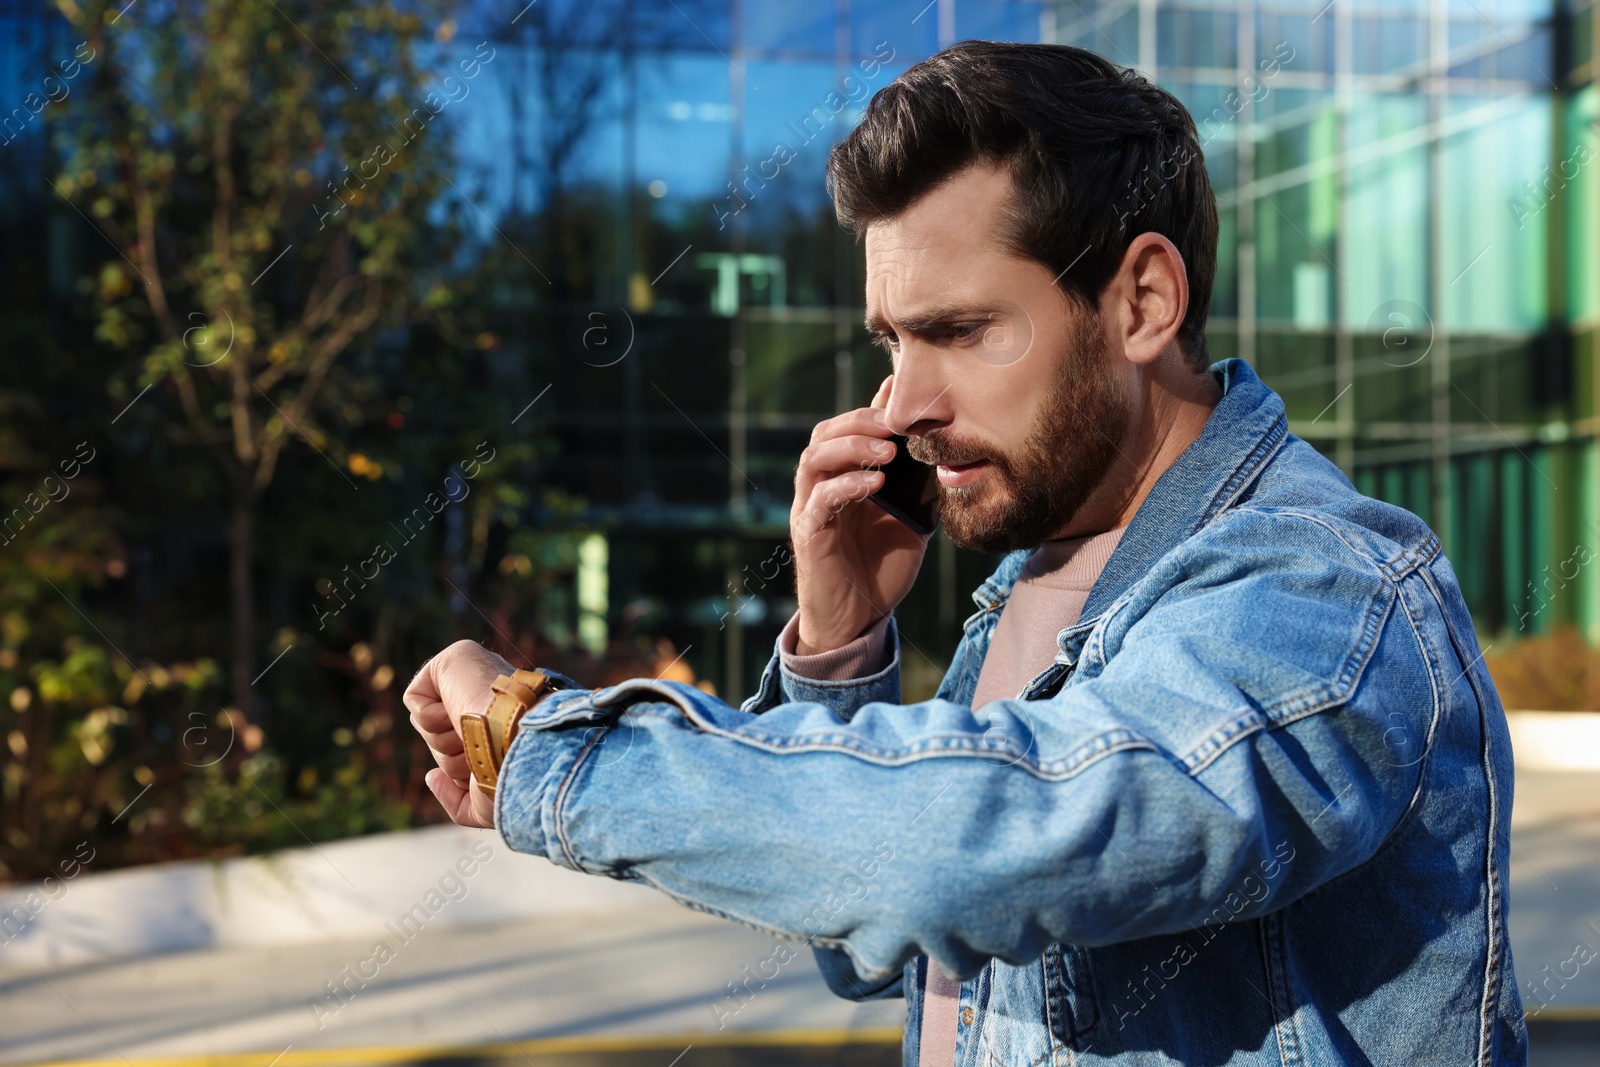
<point x="1036" y="1014"/>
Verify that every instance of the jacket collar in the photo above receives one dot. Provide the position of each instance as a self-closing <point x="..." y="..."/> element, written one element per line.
<point x="1244" y="431"/>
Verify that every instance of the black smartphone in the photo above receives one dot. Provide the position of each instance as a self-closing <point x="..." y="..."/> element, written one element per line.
<point x="910" y="490"/>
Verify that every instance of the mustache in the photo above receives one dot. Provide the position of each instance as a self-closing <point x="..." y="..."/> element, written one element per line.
<point x="940" y="451"/>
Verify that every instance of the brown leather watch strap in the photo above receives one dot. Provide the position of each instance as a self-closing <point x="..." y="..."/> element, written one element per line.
<point x="487" y="736"/>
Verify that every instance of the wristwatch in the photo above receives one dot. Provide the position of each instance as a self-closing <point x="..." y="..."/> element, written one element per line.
<point x="487" y="736"/>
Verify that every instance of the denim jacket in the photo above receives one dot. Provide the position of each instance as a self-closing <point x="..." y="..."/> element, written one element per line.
<point x="1255" y="812"/>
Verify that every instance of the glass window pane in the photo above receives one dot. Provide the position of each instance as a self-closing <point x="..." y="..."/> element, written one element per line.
<point x="1487" y="210"/>
<point x="1296" y="146"/>
<point x="788" y="27"/>
<point x="1293" y="272"/>
<point x="1225" y="287"/>
<point x="1386" y="212"/>
<point x="1215" y="108"/>
<point x="1414" y="8"/>
<point x="911" y="27"/>
<point x="683" y="25"/>
<point x="1121" y="43"/>
<point x="1299" y="367"/>
<point x="791" y="369"/>
<point x="997" y="20"/>
<point x="1469" y="40"/>
<point x="1189" y="39"/>
<point x="1387" y="45"/>
<point x="1528" y="60"/>
<point x="1293" y="127"/>
<point x="1301" y="43"/>
<point x="1583" y="205"/>
<point x="683" y="124"/>
<point x="1583" y="40"/>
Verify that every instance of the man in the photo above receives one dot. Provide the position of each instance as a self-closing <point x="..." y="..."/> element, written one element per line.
<point x="1216" y="775"/>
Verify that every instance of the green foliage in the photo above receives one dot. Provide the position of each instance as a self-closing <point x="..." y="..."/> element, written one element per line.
<point x="253" y="810"/>
<point x="257" y="378"/>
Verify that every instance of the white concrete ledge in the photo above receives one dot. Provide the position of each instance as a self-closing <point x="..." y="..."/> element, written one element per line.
<point x="1555" y="740"/>
<point x="438" y="877"/>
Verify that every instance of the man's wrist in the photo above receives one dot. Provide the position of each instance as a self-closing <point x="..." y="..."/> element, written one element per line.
<point x="831" y="644"/>
<point x="486" y="736"/>
<point x="862" y="655"/>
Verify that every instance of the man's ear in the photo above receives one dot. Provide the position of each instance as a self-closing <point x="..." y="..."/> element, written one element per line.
<point x="1146" y="300"/>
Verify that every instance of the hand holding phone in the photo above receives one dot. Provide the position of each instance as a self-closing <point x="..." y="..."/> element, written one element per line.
<point x="854" y="562"/>
<point x="910" y="490"/>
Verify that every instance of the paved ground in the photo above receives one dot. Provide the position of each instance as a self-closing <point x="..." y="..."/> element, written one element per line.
<point x="656" y="972"/>
<point x="649" y="987"/>
<point x="1555" y="908"/>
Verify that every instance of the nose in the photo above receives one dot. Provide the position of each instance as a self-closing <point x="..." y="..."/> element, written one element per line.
<point x="921" y="399"/>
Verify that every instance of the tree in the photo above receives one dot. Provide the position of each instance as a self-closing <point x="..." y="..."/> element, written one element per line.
<point x="263" y="170"/>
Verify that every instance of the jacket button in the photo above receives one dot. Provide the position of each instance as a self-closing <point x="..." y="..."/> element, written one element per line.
<point x="966" y="1016"/>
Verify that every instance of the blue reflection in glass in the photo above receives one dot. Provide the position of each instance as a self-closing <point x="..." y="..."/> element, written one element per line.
<point x="911" y="27"/>
<point x="998" y="20"/>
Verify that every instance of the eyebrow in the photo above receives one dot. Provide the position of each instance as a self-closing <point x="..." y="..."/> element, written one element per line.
<point x="928" y="318"/>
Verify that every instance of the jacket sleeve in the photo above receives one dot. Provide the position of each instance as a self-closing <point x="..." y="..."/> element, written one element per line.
<point x="780" y="683"/>
<point x="1225" y="746"/>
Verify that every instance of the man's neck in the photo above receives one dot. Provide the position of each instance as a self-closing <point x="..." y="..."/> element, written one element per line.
<point x="1173" y="406"/>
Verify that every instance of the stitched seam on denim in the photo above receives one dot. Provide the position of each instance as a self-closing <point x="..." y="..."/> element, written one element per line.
<point x="1424" y="763"/>
<point x="979" y="1030"/>
<point x="1390" y="838"/>
<point x="1076" y="979"/>
<point x="773" y="931"/>
<point x="1492" y="976"/>
<point x="947" y="745"/>
<point x="770" y="684"/>
<point x="1290" y="707"/>
<point x="844" y="683"/>
<point x="1053" y="1047"/>
<point x="1414" y="558"/>
<point x="966" y="623"/>
<point x="1492" y="973"/>
<point x="911" y="1035"/>
<point x="1275" y="963"/>
<point x="941" y="746"/>
<point x="1249" y="468"/>
<point x="1379" y="564"/>
<point x="561" y="799"/>
<point x="1394" y="567"/>
<point x="1051" y="1010"/>
<point x="1094" y="645"/>
<point x="1091" y="974"/>
<point x="1314" y="701"/>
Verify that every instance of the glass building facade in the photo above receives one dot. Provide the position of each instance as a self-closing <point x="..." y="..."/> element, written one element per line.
<point x="1408" y="254"/>
<point x="1408" y="201"/>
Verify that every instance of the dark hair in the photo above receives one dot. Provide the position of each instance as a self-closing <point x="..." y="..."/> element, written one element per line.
<point x="1098" y="154"/>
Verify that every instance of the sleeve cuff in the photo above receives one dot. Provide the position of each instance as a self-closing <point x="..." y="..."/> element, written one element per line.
<point x="866" y="655"/>
<point x="540" y="766"/>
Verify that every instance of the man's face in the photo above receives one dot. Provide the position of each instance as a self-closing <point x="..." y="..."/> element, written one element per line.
<point x="999" y="379"/>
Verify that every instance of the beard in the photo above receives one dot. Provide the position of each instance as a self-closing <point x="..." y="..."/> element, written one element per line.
<point x="1024" y="498"/>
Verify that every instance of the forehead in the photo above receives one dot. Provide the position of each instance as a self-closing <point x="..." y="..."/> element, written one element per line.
<point x="945" y="245"/>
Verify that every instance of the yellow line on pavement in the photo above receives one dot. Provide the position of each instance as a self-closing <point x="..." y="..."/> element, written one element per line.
<point x="1562" y="1015"/>
<point x="401" y="1054"/>
<point x="314" y="1057"/>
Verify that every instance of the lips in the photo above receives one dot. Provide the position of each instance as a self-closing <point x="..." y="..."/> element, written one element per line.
<point x="952" y="475"/>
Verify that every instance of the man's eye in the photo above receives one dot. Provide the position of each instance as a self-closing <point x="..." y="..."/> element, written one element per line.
<point x="886" y="341"/>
